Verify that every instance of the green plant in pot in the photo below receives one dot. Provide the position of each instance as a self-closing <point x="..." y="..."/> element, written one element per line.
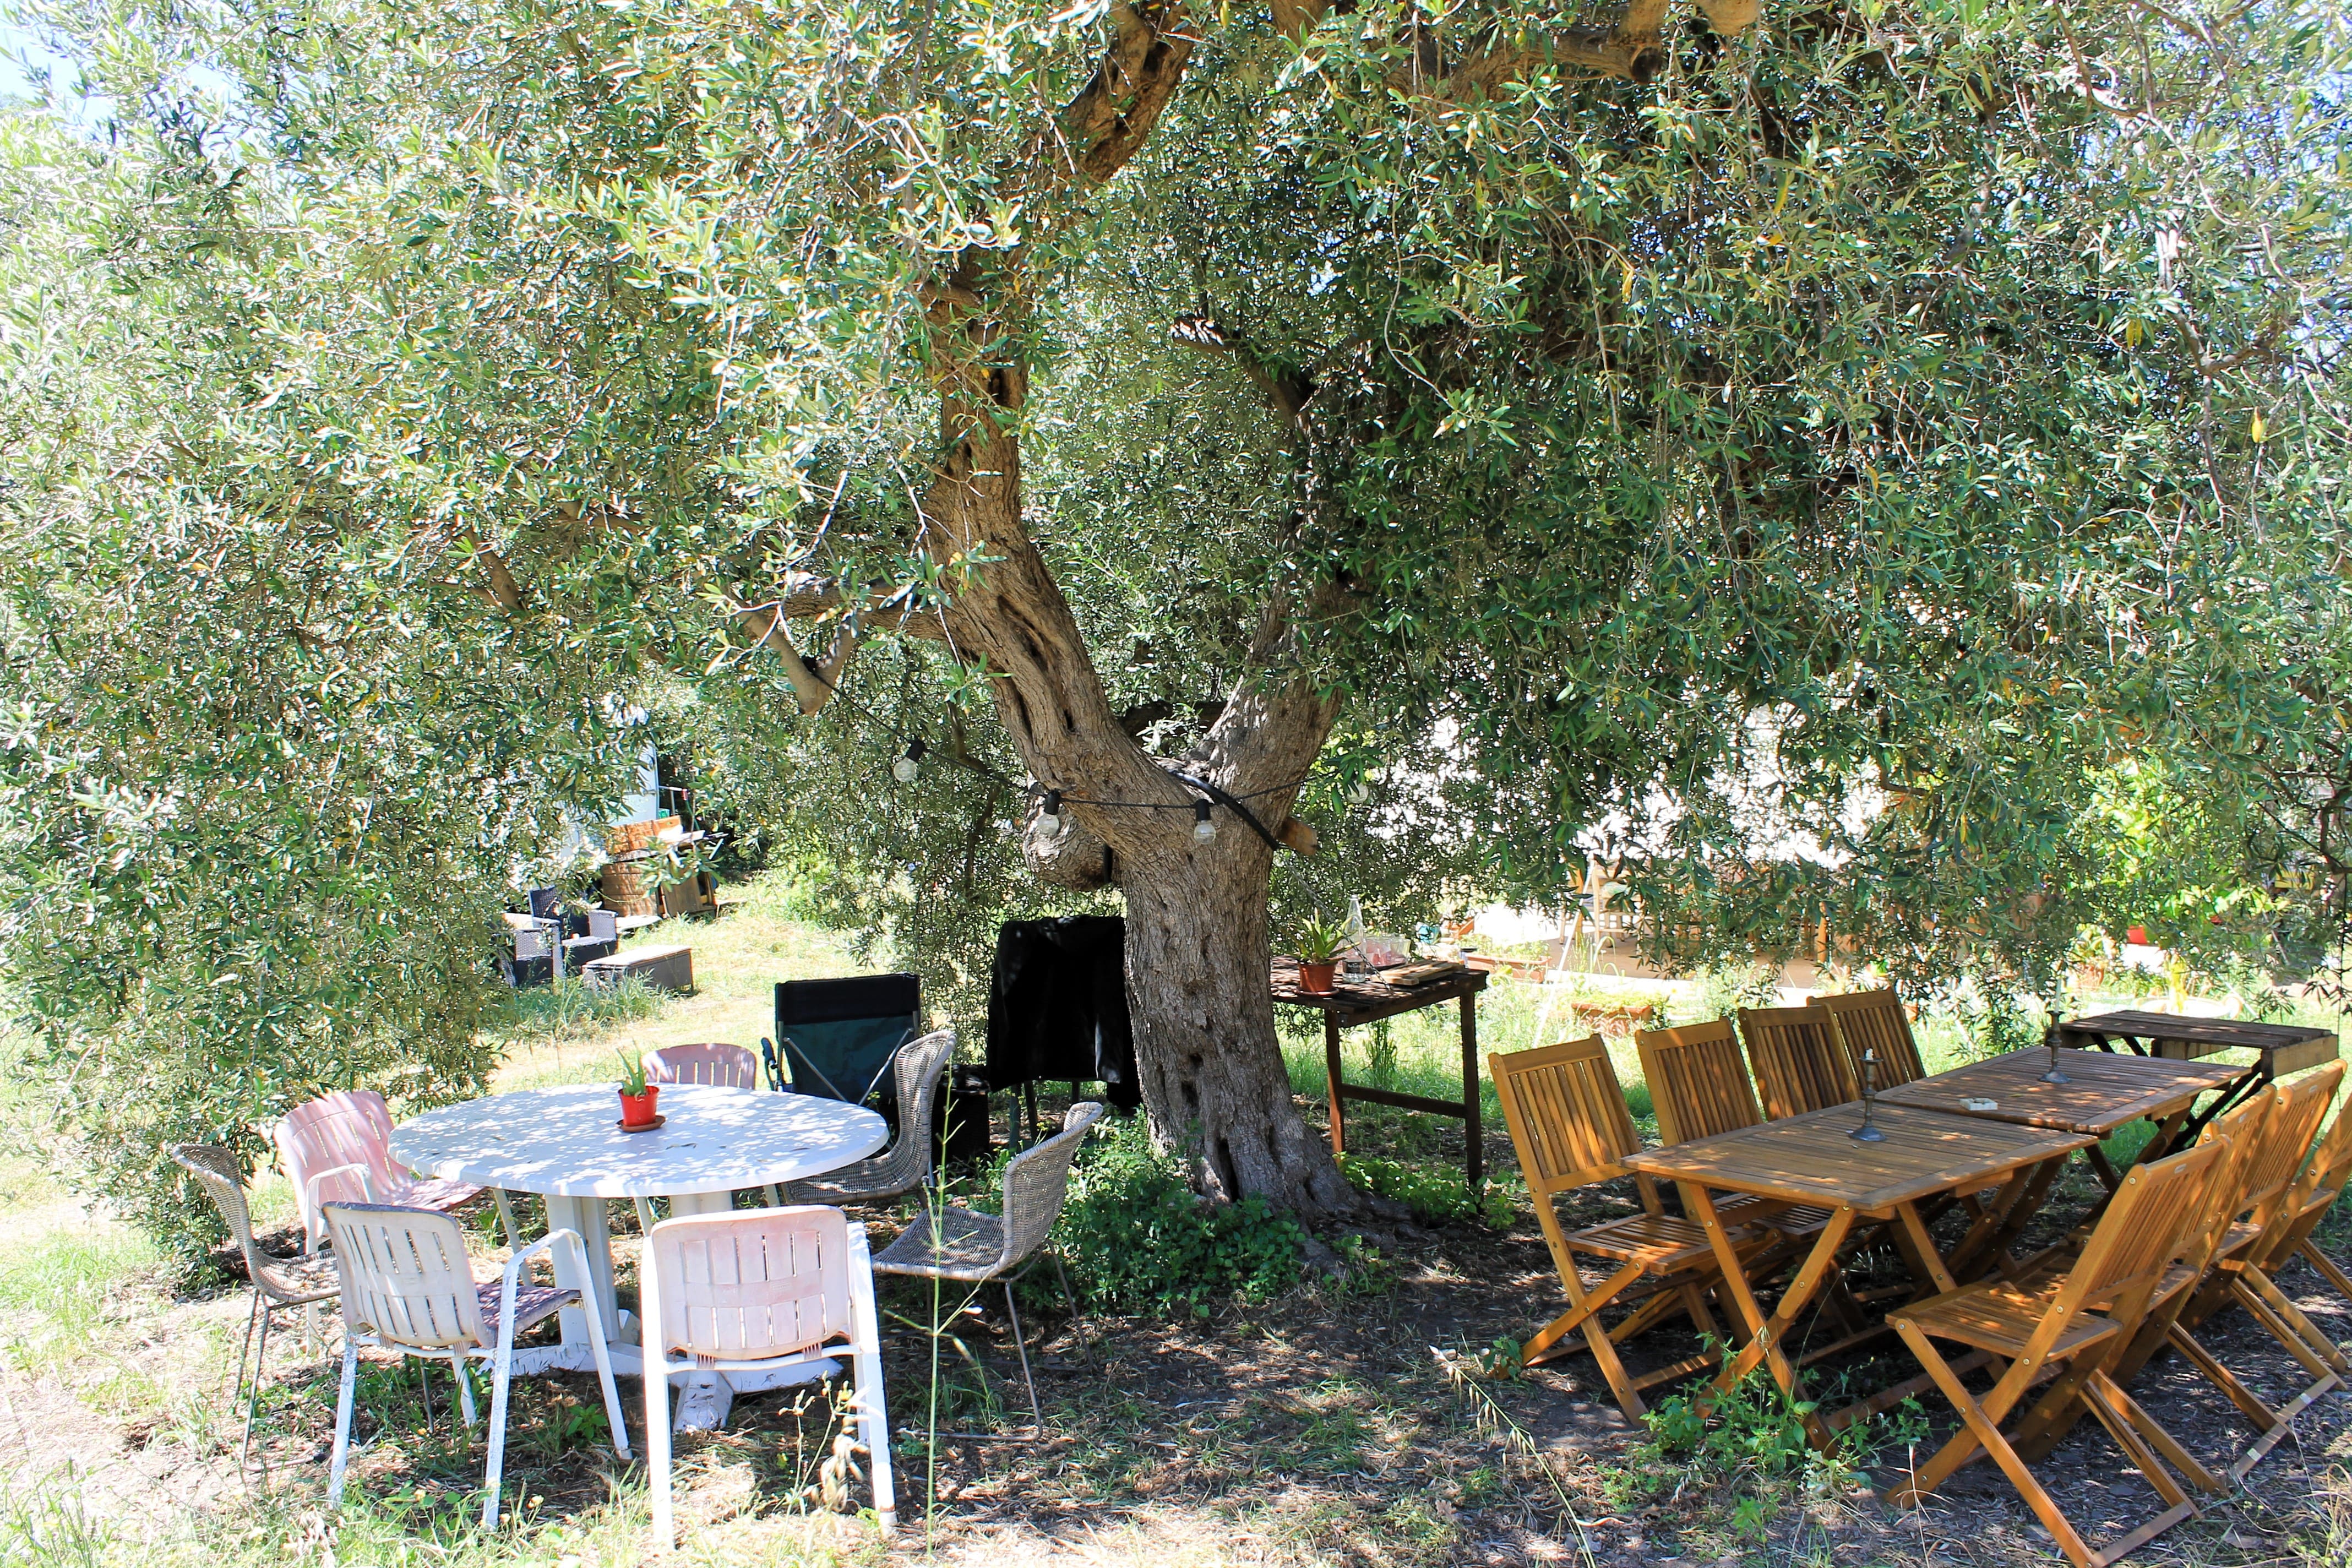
<point x="637" y="1096"/>
<point x="1316" y="943"/>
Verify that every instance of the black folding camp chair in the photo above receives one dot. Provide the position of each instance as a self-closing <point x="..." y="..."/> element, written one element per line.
<point x="836" y="1037"/>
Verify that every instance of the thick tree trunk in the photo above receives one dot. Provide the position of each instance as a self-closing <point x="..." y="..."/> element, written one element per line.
<point x="1210" y="1064"/>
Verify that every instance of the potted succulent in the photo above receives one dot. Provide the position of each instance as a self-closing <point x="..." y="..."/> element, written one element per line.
<point x="637" y="1096"/>
<point x="1317" y="942"/>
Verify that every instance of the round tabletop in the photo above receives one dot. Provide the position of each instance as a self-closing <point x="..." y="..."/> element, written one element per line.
<point x="567" y="1142"/>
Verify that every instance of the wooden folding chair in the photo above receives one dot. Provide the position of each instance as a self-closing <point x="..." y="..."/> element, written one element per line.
<point x="1699" y="1085"/>
<point x="2071" y="1328"/>
<point x="2322" y="1183"/>
<point x="2238" y="1136"/>
<point x="1875" y="1021"/>
<point x="2271" y="1179"/>
<point x="1798" y="1062"/>
<point x="1571" y="1129"/>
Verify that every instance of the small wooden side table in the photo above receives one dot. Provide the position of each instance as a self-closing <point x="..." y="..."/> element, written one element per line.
<point x="1352" y="1001"/>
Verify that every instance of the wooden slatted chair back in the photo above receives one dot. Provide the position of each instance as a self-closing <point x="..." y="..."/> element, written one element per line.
<point x="1798" y="1062"/>
<point x="751" y="1286"/>
<point x="1567" y="1116"/>
<point x="2242" y="1127"/>
<point x="2287" y="1140"/>
<point x="1875" y="1021"/>
<point x="1697" y="1081"/>
<point x="2330" y="1166"/>
<point x="2155" y="1218"/>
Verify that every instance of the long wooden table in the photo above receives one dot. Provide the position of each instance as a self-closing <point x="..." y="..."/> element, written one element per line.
<point x="2103" y="1093"/>
<point x="1810" y="1159"/>
<point x="2279" y="1048"/>
<point x="1350" y="1002"/>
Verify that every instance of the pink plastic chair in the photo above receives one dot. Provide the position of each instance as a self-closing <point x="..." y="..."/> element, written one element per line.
<point x="727" y="1067"/>
<point x="723" y="1066"/>
<point x="338" y="1149"/>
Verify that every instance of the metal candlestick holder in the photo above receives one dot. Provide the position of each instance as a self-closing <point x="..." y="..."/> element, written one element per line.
<point x="2054" y="1075"/>
<point x="1868" y="1133"/>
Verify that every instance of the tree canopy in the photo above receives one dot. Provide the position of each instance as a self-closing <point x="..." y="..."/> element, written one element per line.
<point x="1911" y="431"/>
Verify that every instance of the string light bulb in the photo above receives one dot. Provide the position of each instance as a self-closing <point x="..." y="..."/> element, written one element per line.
<point x="1049" y="816"/>
<point x="1360" y="791"/>
<point x="1204" y="827"/>
<point x="907" y="769"/>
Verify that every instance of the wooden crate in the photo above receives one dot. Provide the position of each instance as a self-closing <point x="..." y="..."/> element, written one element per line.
<point x="697" y="895"/>
<point x="629" y="838"/>
<point x="661" y="968"/>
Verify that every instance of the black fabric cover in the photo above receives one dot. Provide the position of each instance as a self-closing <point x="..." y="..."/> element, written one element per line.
<point x="851" y="997"/>
<point x="1057" y="1007"/>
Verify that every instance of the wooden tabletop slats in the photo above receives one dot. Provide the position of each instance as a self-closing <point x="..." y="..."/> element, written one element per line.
<point x="2218" y="1034"/>
<point x="1810" y="1158"/>
<point x="2105" y="1092"/>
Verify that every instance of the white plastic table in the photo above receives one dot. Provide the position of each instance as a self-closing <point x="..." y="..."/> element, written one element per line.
<point x="566" y="1144"/>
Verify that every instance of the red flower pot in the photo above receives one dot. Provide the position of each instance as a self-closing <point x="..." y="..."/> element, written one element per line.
<point x="1316" y="977"/>
<point x="637" y="1109"/>
<point x="2137" y="934"/>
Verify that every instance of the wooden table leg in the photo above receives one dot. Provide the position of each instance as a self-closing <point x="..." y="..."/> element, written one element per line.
<point x="1331" y="1083"/>
<point x="1470" y="1087"/>
<point x="1765" y="1335"/>
<point x="2159" y="1143"/>
<point x="2010" y="1215"/>
<point x="1924" y="1244"/>
<point x="1989" y="1219"/>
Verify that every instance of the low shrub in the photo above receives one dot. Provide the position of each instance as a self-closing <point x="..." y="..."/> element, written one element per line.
<point x="1140" y="1240"/>
<point x="1437" y="1196"/>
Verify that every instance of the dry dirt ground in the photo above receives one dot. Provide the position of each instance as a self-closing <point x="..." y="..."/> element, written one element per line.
<point x="1343" y="1424"/>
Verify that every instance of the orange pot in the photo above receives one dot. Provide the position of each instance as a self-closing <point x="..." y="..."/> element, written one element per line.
<point x="1316" y="977"/>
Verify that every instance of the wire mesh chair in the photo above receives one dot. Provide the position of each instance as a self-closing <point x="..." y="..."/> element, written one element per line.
<point x="409" y="1286"/>
<point x="905" y="1166"/>
<point x="277" y="1282"/>
<point x="979" y="1249"/>
<point x="761" y="1291"/>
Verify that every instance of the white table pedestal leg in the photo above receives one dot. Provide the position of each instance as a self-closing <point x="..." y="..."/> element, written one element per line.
<point x="704" y="1397"/>
<point x="585" y="1216"/>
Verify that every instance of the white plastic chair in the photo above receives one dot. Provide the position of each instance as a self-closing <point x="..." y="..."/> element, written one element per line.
<point x="338" y="1147"/>
<point x="762" y="1291"/>
<point x="408" y="1286"/>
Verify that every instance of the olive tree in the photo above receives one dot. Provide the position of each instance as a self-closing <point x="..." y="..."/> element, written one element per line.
<point x="1144" y="405"/>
